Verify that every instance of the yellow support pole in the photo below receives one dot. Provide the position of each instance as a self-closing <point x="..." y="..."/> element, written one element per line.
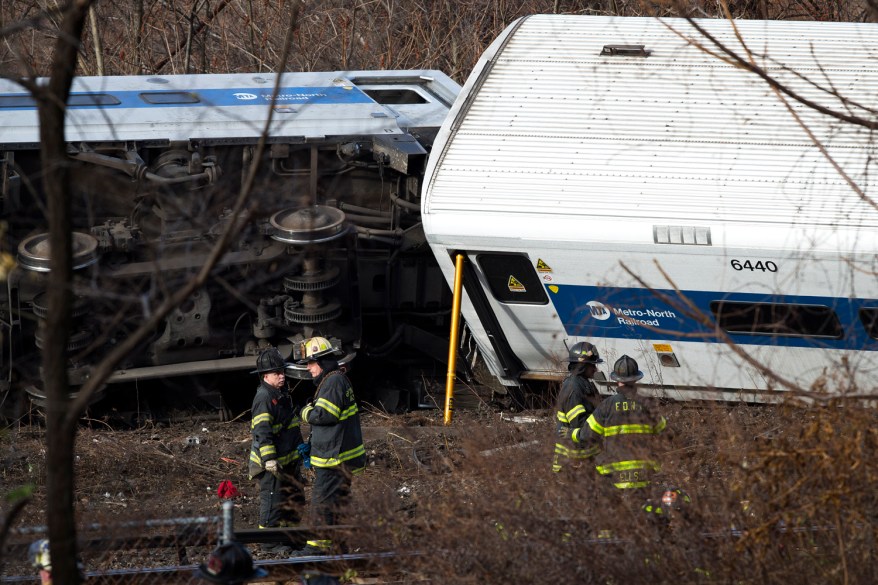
<point x="452" y="340"/>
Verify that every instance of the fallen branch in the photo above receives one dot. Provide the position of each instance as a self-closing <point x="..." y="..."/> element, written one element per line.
<point x="489" y="452"/>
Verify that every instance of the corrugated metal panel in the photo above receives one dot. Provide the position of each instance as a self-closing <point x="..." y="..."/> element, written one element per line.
<point x="557" y="129"/>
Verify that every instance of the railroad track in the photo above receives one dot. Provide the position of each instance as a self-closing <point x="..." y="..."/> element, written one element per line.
<point x="278" y="569"/>
<point x="177" y="535"/>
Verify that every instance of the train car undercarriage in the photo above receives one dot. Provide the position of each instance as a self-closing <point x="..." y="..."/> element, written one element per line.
<point x="334" y="248"/>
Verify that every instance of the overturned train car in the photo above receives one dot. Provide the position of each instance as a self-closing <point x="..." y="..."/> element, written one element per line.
<point x="335" y="247"/>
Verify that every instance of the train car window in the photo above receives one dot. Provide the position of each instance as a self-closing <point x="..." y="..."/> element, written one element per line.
<point x="395" y="96"/>
<point x="869" y="318"/>
<point x="512" y="279"/>
<point x="169" y="97"/>
<point x="785" y="320"/>
<point x="93" y="99"/>
<point x="79" y="99"/>
<point x="17" y="101"/>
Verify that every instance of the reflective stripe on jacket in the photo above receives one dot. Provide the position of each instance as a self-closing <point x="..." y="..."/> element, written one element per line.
<point x="627" y="430"/>
<point x="336" y="435"/>
<point x="274" y="428"/>
<point x="573" y="408"/>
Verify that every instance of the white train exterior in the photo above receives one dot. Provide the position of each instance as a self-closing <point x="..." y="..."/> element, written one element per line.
<point x="619" y="180"/>
<point x="335" y="247"/>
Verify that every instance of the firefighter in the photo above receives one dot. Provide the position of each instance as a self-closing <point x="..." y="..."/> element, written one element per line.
<point x="230" y="564"/>
<point x="625" y="427"/>
<point x="337" y="451"/>
<point x="577" y="399"/>
<point x="38" y="553"/>
<point x="274" y="455"/>
<point x="672" y="509"/>
<point x="41" y="560"/>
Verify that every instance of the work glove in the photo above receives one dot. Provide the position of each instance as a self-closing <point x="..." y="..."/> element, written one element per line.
<point x="304" y="450"/>
<point x="272" y="467"/>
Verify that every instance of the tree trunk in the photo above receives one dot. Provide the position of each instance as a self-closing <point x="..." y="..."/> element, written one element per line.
<point x="60" y="429"/>
<point x="62" y="413"/>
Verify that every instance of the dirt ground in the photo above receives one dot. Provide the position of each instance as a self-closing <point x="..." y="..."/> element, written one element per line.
<point x="481" y="491"/>
<point x="172" y="470"/>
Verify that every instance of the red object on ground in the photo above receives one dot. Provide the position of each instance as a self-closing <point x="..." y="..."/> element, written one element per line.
<point x="226" y="490"/>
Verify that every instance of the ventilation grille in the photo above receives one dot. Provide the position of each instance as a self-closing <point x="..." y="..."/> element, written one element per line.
<point x="681" y="234"/>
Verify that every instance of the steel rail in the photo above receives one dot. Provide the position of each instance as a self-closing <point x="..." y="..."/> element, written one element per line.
<point x="276" y="567"/>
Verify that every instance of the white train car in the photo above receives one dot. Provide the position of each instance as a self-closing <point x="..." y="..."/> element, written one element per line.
<point x="624" y="181"/>
<point x="334" y="245"/>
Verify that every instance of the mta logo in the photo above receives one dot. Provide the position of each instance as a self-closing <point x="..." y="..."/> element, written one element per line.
<point x="245" y="96"/>
<point x="598" y="310"/>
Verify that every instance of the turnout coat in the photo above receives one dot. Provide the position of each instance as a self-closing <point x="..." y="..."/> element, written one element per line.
<point x="275" y="428"/>
<point x="626" y="428"/>
<point x="574" y="406"/>
<point x="336" y="435"/>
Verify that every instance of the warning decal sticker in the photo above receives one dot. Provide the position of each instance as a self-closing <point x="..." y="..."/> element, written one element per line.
<point x="542" y="266"/>
<point x="515" y="285"/>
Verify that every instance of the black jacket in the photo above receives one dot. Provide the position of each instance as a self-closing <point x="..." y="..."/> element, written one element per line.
<point x="626" y="427"/>
<point x="336" y="436"/>
<point x="275" y="428"/>
<point x="574" y="406"/>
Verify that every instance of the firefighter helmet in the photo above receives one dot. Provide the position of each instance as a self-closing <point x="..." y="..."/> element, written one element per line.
<point x="674" y="498"/>
<point x="625" y="370"/>
<point x="584" y="353"/>
<point x="674" y="502"/>
<point x="269" y="360"/>
<point x="38" y="554"/>
<point x="314" y="348"/>
<point x="230" y="564"/>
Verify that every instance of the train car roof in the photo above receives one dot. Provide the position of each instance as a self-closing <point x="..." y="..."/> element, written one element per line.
<point x="233" y="108"/>
<point x="644" y="122"/>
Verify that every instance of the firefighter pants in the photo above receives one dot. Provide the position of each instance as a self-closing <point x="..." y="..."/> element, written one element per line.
<point x="281" y="497"/>
<point x="332" y="486"/>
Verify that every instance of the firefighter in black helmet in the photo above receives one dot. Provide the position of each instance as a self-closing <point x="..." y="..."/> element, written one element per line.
<point x="274" y="457"/>
<point x="230" y="564"/>
<point x="577" y="399"/>
<point x="625" y="428"/>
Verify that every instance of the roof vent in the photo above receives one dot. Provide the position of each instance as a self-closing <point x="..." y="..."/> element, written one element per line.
<point x="625" y="51"/>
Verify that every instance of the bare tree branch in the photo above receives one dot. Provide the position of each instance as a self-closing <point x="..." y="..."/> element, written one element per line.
<point x="683" y="304"/>
<point x="196" y="29"/>
<point x="240" y="217"/>
<point x="727" y="55"/>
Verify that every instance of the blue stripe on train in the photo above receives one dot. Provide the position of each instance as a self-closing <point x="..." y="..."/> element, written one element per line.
<point x="636" y="313"/>
<point x="244" y="96"/>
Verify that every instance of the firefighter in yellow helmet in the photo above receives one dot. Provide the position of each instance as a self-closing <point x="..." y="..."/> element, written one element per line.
<point x="337" y="450"/>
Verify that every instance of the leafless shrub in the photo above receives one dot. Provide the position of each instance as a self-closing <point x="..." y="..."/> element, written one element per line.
<point x="192" y="36"/>
<point x="777" y="492"/>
